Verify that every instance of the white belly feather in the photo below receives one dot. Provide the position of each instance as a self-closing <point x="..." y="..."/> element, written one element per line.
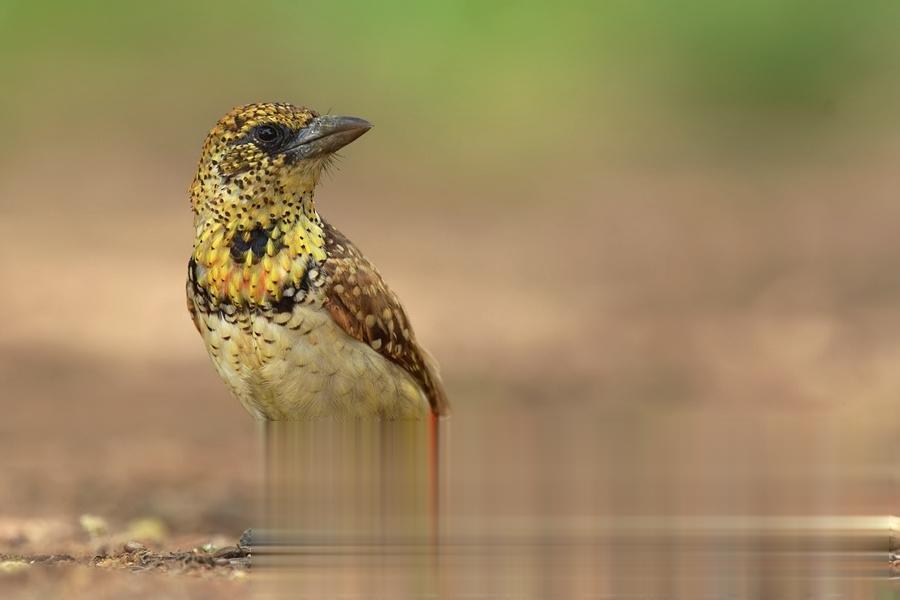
<point x="302" y="364"/>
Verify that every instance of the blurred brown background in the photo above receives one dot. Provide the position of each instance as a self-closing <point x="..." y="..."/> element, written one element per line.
<point x="595" y="206"/>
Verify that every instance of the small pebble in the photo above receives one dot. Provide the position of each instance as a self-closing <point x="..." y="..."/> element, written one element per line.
<point x="149" y="529"/>
<point x="13" y="566"/>
<point x="133" y="546"/>
<point x="94" y="526"/>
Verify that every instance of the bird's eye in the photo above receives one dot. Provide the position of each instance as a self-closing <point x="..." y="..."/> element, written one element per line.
<point x="267" y="134"/>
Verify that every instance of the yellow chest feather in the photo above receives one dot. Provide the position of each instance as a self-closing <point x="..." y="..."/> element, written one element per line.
<point x="250" y="264"/>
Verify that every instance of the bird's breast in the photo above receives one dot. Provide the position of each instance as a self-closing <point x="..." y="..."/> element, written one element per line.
<point x="257" y="264"/>
<point x="300" y="363"/>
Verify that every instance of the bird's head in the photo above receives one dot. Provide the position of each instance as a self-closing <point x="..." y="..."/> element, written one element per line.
<point x="261" y="157"/>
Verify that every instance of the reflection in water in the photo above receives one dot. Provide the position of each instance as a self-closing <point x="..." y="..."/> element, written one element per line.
<point x="352" y="509"/>
<point x="538" y="504"/>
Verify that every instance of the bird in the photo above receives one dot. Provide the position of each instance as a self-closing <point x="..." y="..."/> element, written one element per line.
<point x="297" y="321"/>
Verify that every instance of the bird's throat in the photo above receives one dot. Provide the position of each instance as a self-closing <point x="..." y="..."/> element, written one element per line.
<point x="252" y="257"/>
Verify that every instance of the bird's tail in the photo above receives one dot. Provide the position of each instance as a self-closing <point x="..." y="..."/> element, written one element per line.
<point x="437" y="396"/>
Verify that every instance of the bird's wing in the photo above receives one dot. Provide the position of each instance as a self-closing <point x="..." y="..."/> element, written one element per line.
<point x="362" y="305"/>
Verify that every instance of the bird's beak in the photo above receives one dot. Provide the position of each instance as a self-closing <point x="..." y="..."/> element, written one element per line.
<point x="327" y="134"/>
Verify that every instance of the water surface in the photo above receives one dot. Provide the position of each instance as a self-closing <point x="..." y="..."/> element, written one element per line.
<point x="541" y="503"/>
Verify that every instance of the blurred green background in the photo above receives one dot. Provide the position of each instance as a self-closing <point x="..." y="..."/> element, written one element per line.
<point x="602" y="204"/>
<point x="570" y="78"/>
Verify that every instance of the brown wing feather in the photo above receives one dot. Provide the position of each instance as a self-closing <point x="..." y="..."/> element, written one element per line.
<point x="363" y="306"/>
